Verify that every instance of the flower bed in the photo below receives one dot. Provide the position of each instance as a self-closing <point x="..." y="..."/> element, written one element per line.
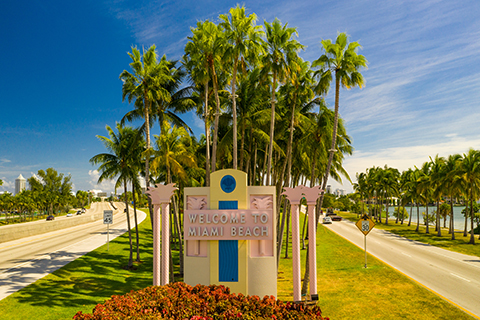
<point x="183" y="302"/>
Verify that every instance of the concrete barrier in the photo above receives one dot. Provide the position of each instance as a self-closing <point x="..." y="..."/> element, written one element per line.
<point x="22" y="230"/>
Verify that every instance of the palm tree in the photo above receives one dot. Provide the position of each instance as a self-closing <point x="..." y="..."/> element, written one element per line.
<point x="279" y="59"/>
<point x="424" y="189"/>
<point x="119" y="163"/>
<point x="145" y="86"/>
<point x="204" y="51"/>
<point x="342" y="61"/>
<point x="243" y="36"/>
<point x="470" y="170"/>
<point x="173" y="156"/>
<point x="451" y="183"/>
<point x="436" y="177"/>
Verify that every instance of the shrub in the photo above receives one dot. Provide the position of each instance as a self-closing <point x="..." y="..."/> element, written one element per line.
<point x="181" y="301"/>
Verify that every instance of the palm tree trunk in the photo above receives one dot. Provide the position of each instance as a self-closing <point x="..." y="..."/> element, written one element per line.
<point x="130" y="259"/>
<point x="466" y="219"/>
<point x="418" y="217"/>
<point x="427" y="224"/>
<point x="146" y="103"/>
<point x="254" y="164"/>
<point x="439" y="229"/>
<point x="452" y="221"/>
<point x="207" y="138"/>
<point x="303" y="232"/>
<point x="136" y="221"/>
<point x="334" y="136"/>
<point x="234" y="112"/>
<point x="217" y="117"/>
<point x="410" y="217"/>
<point x="287" y="235"/>
<point x="472" y="233"/>
<point x="272" y="130"/>
<point x="176" y="220"/>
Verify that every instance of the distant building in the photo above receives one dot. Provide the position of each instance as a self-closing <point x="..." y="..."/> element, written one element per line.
<point x="329" y="189"/>
<point x="340" y="192"/>
<point x="20" y="184"/>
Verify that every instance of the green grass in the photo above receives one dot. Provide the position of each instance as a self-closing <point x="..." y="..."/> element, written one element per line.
<point x="346" y="290"/>
<point x="460" y="244"/>
<point x="349" y="291"/>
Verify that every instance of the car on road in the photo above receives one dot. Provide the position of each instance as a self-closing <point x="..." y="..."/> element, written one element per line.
<point x="327" y="220"/>
<point x="50" y="217"/>
<point x="79" y="212"/>
<point x="336" y="218"/>
<point x="69" y="215"/>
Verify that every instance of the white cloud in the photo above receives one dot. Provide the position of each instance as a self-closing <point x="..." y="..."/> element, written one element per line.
<point x="106" y="185"/>
<point x="404" y="158"/>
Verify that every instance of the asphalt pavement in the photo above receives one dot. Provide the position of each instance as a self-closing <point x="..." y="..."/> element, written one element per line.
<point x="26" y="260"/>
<point x="453" y="276"/>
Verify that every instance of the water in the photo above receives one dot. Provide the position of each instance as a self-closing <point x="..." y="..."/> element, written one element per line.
<point x="458" y="217"/>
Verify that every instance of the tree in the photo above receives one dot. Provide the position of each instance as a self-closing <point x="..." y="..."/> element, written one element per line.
<point x="451" y="183"/>
<point x="120" y="164"/>
<point x="145" y="86"/>
<point x="436" y="179"/>
<point x="470" y="171"/>
<point x="424" y="189"/>
<point x="82" y="197"/>
<point x="281" y="52"/>
<point x="243" y="36"/>
<point x="55" y="188"/>
<point x="341" y="61"/>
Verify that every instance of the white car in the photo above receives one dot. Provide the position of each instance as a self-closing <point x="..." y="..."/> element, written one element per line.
<point x="69" y="215"/>
<point x="327" y="220"/>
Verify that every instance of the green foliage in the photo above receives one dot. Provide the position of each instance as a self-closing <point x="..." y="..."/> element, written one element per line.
<point x="431" y="217"/>
<point x="328" y="200"/>
<point x="400" y="212"/>
<point x="181" y="301"/>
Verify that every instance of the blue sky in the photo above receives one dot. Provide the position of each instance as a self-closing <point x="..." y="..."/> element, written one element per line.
<point x="61" y="61"/>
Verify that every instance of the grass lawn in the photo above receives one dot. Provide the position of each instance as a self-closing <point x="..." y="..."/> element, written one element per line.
<point x="346" y="290"/>
<point x="460" y="244"/>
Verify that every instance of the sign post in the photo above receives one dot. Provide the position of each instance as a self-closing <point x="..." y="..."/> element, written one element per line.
<point x="365" y="225"/>
<point x="108" y="220"/>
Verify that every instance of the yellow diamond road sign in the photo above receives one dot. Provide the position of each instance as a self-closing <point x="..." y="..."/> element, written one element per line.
<point x="365" y="224"/>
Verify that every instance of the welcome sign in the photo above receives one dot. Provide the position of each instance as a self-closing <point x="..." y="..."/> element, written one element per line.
<point x="228" y="224"/>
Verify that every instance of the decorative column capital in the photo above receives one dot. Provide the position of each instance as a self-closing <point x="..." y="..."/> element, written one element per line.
<point x="161" y="193"/>
<point x="295" y="195"/>
<point x="312" y="194"/>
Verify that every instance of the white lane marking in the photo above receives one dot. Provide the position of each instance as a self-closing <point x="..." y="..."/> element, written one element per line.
<point x="456" y="275"/>
<point x="406" y="254"/>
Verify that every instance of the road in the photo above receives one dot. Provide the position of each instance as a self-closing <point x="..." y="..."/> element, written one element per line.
<point x="453" y="276"/>
<point x="26" y="260"/>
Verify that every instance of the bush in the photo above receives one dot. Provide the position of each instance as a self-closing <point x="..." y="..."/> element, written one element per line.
<point x="181" y="301"/>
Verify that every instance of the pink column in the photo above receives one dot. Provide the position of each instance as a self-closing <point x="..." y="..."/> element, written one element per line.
<point x="312" y="244"/>
<point x="160" y="196"/>
<point x="296" y="253"/>
<point x="156" y="245"/>
<point x="165" y="243"/>
<point x="294" y="195"/>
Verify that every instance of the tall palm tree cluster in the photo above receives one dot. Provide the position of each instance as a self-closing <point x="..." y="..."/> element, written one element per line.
<point x="262" y="105"/>
<point x="441" y="180"/>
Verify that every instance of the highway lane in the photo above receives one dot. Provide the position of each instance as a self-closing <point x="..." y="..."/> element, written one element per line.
<point x="453" y="276"/>
<point x="26" y="260"/>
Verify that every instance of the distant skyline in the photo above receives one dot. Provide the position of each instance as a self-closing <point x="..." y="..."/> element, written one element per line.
<point x="61" y="61"/>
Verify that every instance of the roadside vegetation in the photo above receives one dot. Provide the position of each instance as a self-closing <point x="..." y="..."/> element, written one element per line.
<point x="49" y="193"/>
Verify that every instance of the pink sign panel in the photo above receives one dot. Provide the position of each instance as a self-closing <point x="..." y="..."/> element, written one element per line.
<point x="228" y="224"/>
